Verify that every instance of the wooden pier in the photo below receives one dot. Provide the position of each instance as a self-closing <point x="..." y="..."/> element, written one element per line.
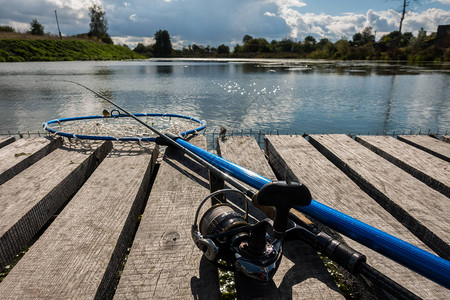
<point x="102" y="220"/>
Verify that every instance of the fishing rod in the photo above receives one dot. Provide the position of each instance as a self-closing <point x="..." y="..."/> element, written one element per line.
<point x="222" y="168"/>
<point x="423" y="262"/>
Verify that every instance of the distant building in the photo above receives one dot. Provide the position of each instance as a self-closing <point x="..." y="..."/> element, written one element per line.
<point x="442" y="36"/>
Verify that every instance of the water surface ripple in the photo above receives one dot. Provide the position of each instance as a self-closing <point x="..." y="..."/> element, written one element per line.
<point x="288" y="96"/>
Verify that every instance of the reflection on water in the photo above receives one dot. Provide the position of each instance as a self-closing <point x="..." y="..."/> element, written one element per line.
<point x="289" y="96"/>
<point x="164" y="70"/>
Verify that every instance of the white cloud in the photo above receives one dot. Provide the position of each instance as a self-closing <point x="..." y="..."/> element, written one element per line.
<point x="289" y="3"/>
<point x="178" y="42"/>
<point x="335" y="27"/>
<point x="19" y="26"/>
<point x="382" y="21"/>
<point x="74" y="4"/>
<point x="269" y="14"/>
<point x="386" y="21"/>
<point x="133" y="17"/>
<point x="428" y="19"/>
<point x="132" y="41"/>
<point x="293" y="18"/>
<point x="126" y="4"/>
<point x="323" y="25"/>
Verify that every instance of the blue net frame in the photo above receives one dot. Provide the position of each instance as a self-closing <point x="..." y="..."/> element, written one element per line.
<point x="47" y="126"/>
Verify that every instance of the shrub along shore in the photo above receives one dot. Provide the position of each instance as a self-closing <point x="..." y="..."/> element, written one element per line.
<point x="19" y="50"/>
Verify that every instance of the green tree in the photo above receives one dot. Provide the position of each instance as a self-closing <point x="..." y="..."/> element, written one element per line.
<point x="223" y="49"/>
<point x="329" y="49"/>
<point x="247" y="38"/>
<point x="392" y="36"/>
<point x="198" y="49"/>
<point x="36" y="28"/>
<point x="286" y="45"/>
<point x="256" y="45"/>
<point x="144" y="50"/>
<point x="343" y="49"/>
<point x="367" y="35"/>
<point x="406" y="39"/>
<point x="140" y="48"/>
<point x="99" y="24"/>
<point x="4" y="28"/>
<point x="357" y="39"/>
<point x="323" y="42"/>
<point x="416" y="43"/>
<point x="361" y="39"/>
<point x="237" y="48"/>
<point x="310" y="39"/>
<point x="163" y="45"/>
<point x="309" y="44"/>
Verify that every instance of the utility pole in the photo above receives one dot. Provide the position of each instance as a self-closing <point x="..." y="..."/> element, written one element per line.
<point x="57" y="23"/>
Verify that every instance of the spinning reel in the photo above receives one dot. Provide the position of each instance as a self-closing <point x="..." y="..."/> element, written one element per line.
<point x="252" y="249"/>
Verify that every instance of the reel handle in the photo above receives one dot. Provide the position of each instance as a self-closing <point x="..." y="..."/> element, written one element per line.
<point x="283" y="196"/>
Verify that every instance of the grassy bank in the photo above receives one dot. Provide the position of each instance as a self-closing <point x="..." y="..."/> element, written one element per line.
<point x="19" y="50"/>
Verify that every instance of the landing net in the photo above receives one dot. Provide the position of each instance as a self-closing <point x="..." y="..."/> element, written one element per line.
<point x="122" y="127"/>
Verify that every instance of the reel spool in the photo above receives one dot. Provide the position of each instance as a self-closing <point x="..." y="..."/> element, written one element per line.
<point x="218" y="219"/>
<point x="224" y="233"/>
<point x="252" y="249"/>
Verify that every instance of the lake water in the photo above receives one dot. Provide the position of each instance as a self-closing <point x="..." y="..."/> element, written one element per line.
<point x="284" y="96"/>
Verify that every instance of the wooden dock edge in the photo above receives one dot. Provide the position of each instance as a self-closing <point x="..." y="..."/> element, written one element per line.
<point x="417" y="228"/>
<point x="16" y="238"/>
<point x="423" y="148"/>
<point x="110" y="280"/>
<point x="87" y="243"/>
<point x="425" y="178"/>
<point x="6" y="141"/>
<point x="30" y="159"/>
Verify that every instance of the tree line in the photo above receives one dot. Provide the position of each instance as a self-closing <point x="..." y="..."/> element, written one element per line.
<point x="362" y="46"/>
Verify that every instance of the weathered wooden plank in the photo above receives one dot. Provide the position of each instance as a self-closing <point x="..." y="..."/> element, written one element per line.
<point x="295" y="158"/>
<point x="428" y="144"/>
<point x="163" y="261"/>
<point x="301" y="273"/>
<point x="421" y="209"/>
<point x="80" y="254"/>
<point x="6" y="141"/>
<point x="21" y="154"/>
<point x="29" y="200"/>
<point x="429" y="169"/>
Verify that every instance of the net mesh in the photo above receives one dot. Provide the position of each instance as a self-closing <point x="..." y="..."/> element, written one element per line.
<point x="122" y="127"/>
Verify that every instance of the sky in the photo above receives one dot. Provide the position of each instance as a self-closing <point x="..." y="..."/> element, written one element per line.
<point x="215" y="22"/>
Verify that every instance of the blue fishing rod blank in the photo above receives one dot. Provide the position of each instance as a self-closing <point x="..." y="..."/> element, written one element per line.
<point x="423" y="262"/>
